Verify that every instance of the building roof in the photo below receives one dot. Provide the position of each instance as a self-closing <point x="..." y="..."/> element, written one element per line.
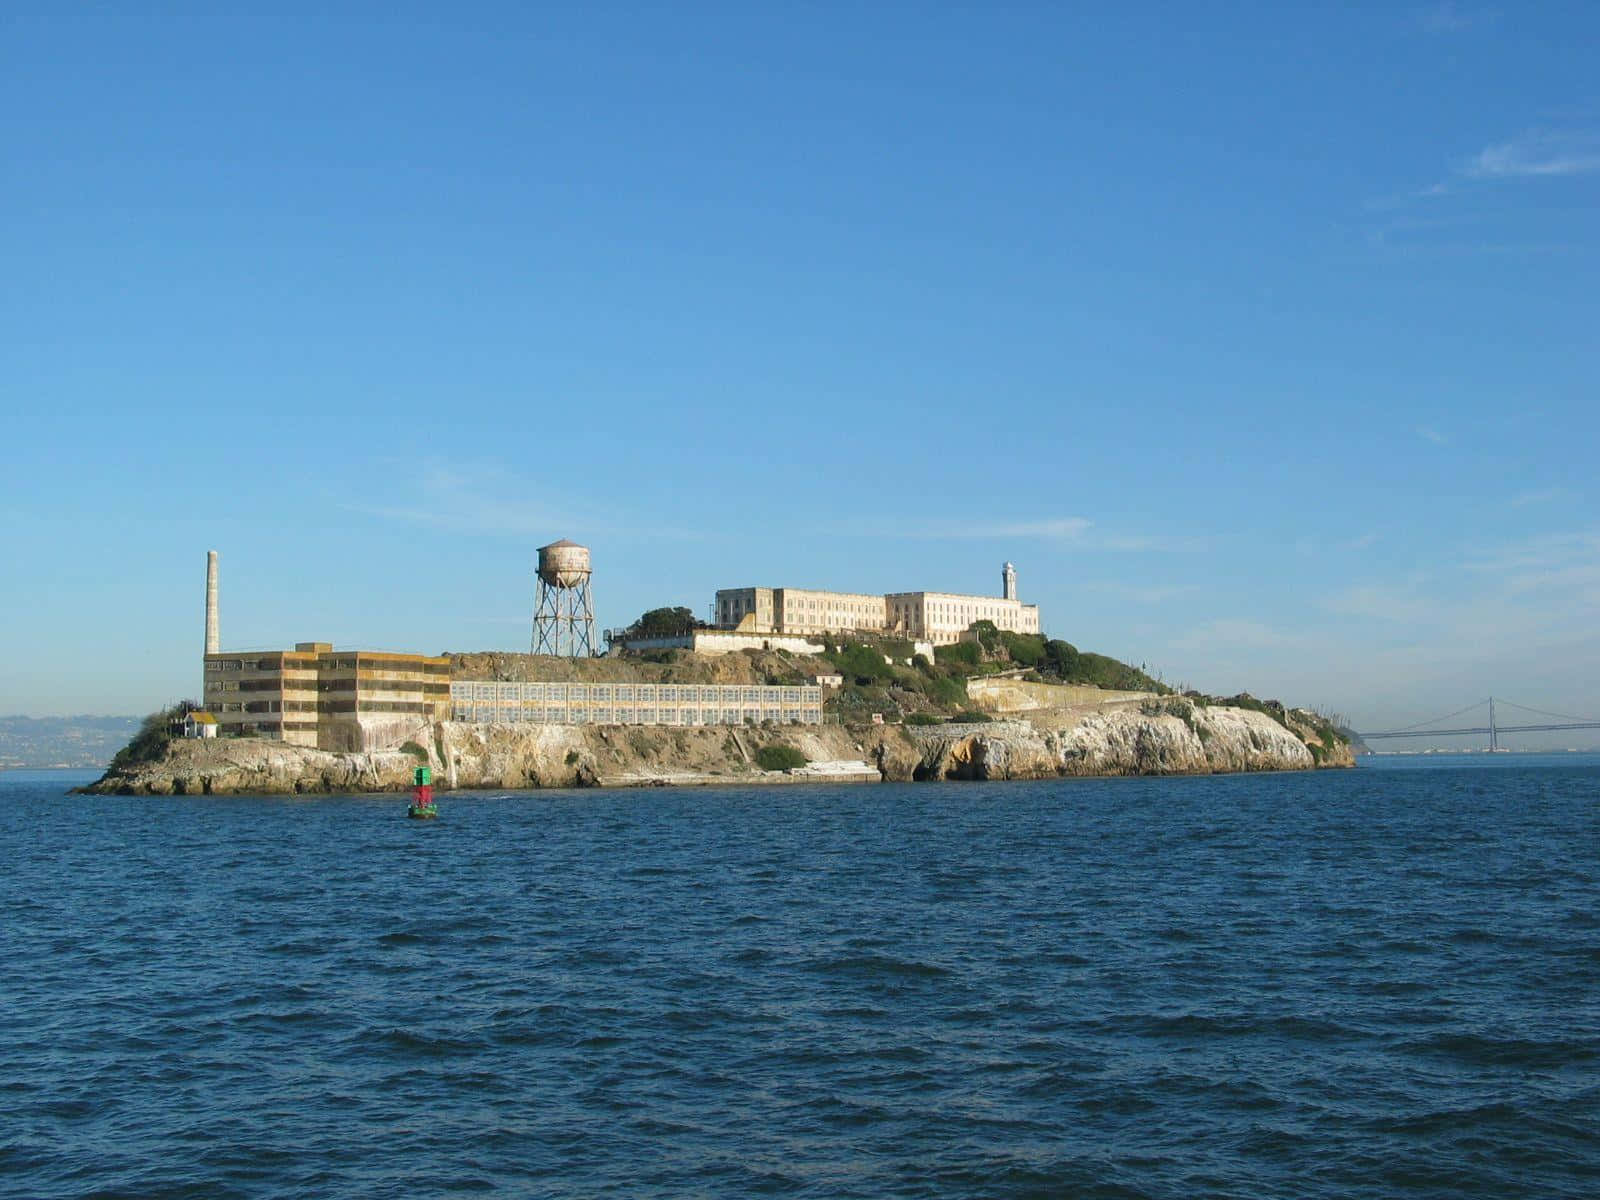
<point x="201" y="718"/>
<point x="561" y="545"/>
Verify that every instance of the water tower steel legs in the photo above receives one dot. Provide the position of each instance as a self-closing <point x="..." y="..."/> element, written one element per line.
<point x="563" y="620"/>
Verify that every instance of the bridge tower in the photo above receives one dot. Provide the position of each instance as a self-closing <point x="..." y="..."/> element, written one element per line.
<point x="1494" y="733"/>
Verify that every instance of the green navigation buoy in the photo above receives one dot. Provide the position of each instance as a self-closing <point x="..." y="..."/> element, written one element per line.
<point x="422" y="805"/>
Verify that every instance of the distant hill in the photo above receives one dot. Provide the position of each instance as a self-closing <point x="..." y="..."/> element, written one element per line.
<point x="63" y="741"/>
<point x="1357" y="746"/>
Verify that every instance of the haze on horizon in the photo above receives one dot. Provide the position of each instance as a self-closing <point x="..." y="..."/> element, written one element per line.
<point x="1262" y="343"/>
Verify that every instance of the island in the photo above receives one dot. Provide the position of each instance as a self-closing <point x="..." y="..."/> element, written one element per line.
<point x="996" y="705"/>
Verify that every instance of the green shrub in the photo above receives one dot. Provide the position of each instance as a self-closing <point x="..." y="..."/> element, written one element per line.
<point x="967" y="654"/>
<point x="971" y="717"/>
<point x="1024" y="649"/>
<point x="862" y="663"/>
<point x="665" y="622"/>
<point x="1271" y="708"/>
<point x="414" y="750"/>
<point x="924" y="719"/>
<point x="1071" y="665"/>
<point x="778" y="757"/>
<point x="155" y="733"/>
<point x="989" y="636"/>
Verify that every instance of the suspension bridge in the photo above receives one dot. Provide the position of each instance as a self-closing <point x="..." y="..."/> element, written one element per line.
<point x="1493" y="730"/>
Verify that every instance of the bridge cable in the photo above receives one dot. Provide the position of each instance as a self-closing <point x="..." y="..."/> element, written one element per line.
<point x="1541" y="712"/>
<point x="1436" y="720"/>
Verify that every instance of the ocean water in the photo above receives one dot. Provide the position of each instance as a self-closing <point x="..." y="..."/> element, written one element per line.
<point x="1382" y="982"/>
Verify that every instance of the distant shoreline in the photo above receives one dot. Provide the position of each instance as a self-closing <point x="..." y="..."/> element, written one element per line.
<point x="1474" y="753"/>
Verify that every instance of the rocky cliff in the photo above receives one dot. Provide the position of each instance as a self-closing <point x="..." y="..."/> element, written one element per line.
<point x="1123" y="741"/>
<point x="1165" y="739"/>
<point x="482" y="756"/>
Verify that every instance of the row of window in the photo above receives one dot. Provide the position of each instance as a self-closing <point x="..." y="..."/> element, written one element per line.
<point x="631" y="693"/>
<point x="300" y="687"/>
<point x="564" y="715"/>
<point x="334" y="707"/>
<point x="367" y="662"/>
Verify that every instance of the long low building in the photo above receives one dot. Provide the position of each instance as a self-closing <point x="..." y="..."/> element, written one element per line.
<point x="500" y="703"/>
<point x="937" y="617"/>
<point x="363" y="699"/>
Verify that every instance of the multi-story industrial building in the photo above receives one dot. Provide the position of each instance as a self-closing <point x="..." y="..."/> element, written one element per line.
<point x="938" y="617"/>
<point x="313" y="696"/>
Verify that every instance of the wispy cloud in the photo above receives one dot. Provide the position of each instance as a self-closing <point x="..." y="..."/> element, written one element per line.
<point x="1068" y="528"/>
<point x="1449" y="17"/>
<point x="1080" y="532"/>
<point x="1138" y="543"/>
<point x="1511" y="618"/>
<point x="1458" y="206"/>
<point x="1401" y="601"/>
<point x="1229" y="634"/>
<point x="1537" y="154"/>
<point x="469" y="502"/>
<point x="1546" y="552"/>
<point x="1542" y="496"/>
<point x="488" y="500"/>
<point x="1432" y="435"/>
<point x="1154" y="594"/>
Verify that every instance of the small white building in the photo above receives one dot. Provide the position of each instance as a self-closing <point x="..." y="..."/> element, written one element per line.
<point x="199" y="724"/>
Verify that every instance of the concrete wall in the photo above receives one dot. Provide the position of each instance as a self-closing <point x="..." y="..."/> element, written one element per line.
<point x="1017" y="695"/>
<point x="723" y="641"/>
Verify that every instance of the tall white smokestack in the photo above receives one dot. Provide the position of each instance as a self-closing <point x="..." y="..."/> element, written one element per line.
<point x="213" y="634"/>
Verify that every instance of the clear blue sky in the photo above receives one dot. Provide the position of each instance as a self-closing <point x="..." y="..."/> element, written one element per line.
<point x="1263" y="340"/>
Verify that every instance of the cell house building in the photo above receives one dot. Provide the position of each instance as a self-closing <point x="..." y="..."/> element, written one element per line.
<point x="937" y="617"/>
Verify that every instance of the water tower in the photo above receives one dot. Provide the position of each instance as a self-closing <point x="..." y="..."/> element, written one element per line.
<point x="563" y="609"/>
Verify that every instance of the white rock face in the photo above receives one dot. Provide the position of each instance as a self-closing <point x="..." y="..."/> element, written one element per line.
<point x="1120" y="742"/>
<point x="1174" y="740"/>
<point x="480" y="756"/>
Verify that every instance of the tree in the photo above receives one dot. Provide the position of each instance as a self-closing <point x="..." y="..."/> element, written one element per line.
<point x="1063" y="658"/>
<point x="862" y="663"/>
<point x="665" y="622"/>
<point x="778" y="757"/>
<point x="1024" y="649"/>
<point x="988" y="634"/>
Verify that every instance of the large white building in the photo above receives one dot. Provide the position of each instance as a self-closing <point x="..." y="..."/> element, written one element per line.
<point x="937" y="617"/>
<point x="800" y="610"/>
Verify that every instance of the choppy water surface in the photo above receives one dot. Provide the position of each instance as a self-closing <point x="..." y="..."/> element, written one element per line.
<point x="1372" y="983"/>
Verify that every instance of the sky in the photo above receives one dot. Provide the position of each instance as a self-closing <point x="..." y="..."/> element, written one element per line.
<point x="1261" y="337"/>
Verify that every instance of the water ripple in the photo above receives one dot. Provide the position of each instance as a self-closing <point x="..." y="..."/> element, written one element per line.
<point x="1372" y="983"/>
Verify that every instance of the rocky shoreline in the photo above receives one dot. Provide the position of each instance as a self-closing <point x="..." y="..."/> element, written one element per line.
<point x="1119" y="740"/>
